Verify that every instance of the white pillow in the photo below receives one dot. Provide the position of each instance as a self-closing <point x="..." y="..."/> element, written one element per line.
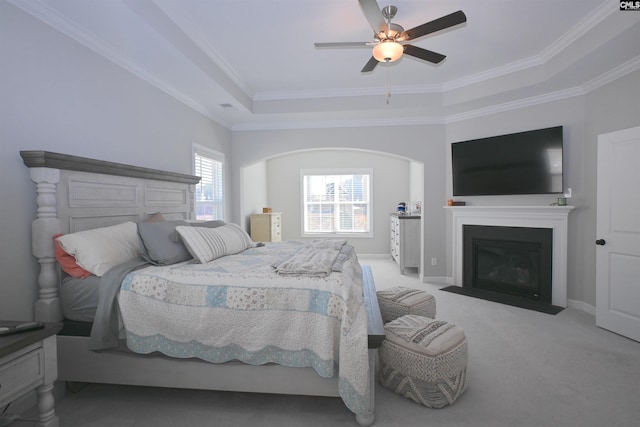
<point x="100" y="249"/>
<point x="207" y="244"/>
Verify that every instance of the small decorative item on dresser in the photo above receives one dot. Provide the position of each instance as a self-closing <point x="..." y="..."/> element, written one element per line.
<point x="266" y="210"/>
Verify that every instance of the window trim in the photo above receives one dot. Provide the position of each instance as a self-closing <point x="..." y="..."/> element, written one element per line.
<point x="217" y="156"/>
<point x="337" y="171"/>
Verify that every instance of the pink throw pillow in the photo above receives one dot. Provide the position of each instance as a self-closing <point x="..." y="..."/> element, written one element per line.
<point x="68" y="262"/>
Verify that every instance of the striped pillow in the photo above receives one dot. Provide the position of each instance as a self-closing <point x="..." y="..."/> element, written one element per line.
<point x="207" y="244"/>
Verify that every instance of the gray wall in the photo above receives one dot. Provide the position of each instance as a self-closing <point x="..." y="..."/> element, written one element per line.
<point x="422" y="144"/>
<point x="610" y="108"/>
<point x="390" y="185"/>
<point x="58" y="95"/>
<point x="613" y="106"/>
<point x="570" y="114"/>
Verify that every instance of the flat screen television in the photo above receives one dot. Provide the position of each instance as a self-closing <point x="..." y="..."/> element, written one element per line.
<point x="518" y="163"/>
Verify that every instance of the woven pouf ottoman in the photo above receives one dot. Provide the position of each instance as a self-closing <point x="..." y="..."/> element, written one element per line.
<point x="399" y="301"/>
<point x="424" y="360"/>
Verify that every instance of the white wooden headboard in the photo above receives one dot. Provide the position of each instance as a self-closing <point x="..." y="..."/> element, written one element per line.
<point x="77" y="193"/>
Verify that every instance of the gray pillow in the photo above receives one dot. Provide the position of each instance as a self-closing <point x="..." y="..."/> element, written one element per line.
<point x="207" y="224"/>
<point x="159" y="248"/>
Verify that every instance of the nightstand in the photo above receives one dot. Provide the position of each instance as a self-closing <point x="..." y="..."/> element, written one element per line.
<point x="28" y="362"/>
<point x="266" y="227"/>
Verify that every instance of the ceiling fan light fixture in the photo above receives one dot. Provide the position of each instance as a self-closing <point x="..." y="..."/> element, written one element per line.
<point x="388" y="51"/>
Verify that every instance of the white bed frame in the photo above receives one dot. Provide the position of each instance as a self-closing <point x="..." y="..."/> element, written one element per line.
<point x="76" y="193"/>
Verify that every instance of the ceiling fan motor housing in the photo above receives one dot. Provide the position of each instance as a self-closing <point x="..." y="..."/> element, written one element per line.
<point x="390" y="32"/>
<point x="389" y="12"/>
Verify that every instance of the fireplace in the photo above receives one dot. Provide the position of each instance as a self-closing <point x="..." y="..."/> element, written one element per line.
<point x="514" y="261"/>
<point x="555" y="218"/>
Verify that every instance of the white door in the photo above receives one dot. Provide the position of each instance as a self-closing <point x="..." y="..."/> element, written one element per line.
<point x="618" y="233"/>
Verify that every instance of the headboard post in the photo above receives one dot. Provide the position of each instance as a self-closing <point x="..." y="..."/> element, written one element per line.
<point x="78" y="193"/>
<point x="43" y="228"/>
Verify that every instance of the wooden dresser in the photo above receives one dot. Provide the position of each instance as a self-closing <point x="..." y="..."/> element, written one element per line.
<point x="405" y="240"/>
<point x="266" y="227"/>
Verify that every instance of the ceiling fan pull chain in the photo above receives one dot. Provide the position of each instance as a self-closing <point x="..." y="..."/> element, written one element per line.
<point x="388" y="82"/>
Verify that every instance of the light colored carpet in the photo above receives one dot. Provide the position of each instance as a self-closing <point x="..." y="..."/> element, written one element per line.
<point x="525" y="369"/>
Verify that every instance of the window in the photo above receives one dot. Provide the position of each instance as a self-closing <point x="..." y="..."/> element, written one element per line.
<point x="209" y="166"/>
<point x="337" y="202"/>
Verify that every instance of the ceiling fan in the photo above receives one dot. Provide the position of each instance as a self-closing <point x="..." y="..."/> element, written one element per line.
<point x="389" y="38"/>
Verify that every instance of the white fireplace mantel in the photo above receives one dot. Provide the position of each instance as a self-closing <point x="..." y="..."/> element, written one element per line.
<point x="554" y="217"/>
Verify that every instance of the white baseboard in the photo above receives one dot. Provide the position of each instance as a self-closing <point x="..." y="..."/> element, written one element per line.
<point x="581" y="305"/>
<point x="436" y="280"/>
<point x="375" y="256"/>
<point x="439" y="280"/>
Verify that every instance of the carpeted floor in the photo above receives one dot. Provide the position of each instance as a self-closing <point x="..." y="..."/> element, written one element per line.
<point x="525" y="369"/>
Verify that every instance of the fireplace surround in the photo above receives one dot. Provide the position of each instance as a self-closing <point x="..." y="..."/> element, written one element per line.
<point x="554" y="218"/>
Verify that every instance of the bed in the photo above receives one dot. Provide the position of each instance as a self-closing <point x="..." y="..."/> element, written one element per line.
<point x="77" y="196"/>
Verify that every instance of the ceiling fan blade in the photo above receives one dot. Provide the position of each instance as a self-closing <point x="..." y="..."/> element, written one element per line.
<point x="369" y="66"/>
<point x="447" y="21"/>
<point x="425" y="54"/>
<point x="373" y="14"/>
<point x="344" y="44"/>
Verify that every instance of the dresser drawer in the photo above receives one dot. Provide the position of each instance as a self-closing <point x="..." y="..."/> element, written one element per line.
<point x="21" y="371"/>
<point x="276" y="235"/>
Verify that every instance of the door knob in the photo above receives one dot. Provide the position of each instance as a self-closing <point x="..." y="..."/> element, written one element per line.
<point x="600" y="242"/>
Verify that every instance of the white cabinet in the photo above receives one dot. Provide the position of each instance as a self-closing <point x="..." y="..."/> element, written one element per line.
<point x="266" y="227"/>
<point x="405" y="240"/>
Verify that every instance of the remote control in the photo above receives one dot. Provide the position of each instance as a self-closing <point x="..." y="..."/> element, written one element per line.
<point x="28" y="325"/>
<point x="21" y="327"/>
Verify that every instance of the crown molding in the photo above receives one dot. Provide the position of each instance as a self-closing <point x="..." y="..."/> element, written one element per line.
<point x="176" y="14"/>
<point x="613" y="74"/>
<point x="341" y="93"/>
<point x="608" y="77"/>
<point x="577" y="31"/>
<point x="347" y="123"/>
<point x="40" y="10"/>
<point x="517" y="104"/>
<point x="598" y="15"/>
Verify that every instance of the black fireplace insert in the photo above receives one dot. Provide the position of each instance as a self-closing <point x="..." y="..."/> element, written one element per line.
<point x="514" y="261"/>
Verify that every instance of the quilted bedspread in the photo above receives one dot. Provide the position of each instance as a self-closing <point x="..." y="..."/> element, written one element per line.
<point x="238" y="308"/>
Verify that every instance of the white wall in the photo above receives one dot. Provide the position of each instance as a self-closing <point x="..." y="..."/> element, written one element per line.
<point x="59" y="96"/>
